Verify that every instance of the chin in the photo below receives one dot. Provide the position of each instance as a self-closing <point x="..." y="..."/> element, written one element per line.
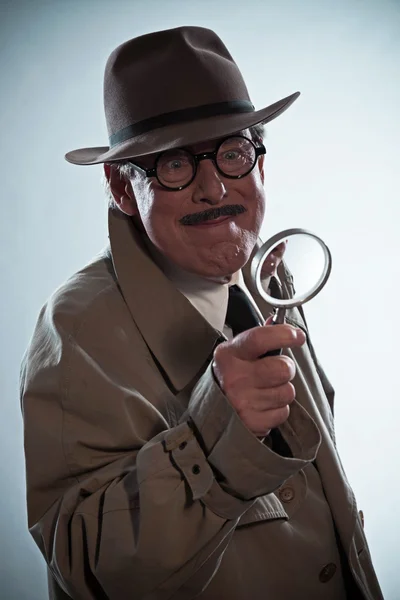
<point x="225" y="265"/>
<point x="221" y="259"/>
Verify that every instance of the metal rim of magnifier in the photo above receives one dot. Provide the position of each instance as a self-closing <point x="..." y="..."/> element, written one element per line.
<point x="267" y="247"/>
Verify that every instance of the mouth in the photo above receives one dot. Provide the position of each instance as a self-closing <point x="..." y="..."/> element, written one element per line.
<point x="213" y="222"/>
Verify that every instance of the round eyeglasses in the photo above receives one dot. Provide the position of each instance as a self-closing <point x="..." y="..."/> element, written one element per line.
<point x="234" y="157"/>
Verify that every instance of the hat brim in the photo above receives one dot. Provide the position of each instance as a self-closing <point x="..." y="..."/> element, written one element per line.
<point x="183" y="134"/>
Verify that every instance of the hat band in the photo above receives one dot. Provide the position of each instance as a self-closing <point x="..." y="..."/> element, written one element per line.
<point x="180" y="116"/>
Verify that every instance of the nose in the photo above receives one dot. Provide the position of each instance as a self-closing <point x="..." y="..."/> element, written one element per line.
<point x="209" y="186"/>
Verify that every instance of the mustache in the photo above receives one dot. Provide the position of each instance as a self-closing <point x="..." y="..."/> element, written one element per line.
<point x="213" y="213"/>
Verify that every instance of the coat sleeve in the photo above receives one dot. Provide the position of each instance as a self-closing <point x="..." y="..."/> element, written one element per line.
<point x="120" y="504"/>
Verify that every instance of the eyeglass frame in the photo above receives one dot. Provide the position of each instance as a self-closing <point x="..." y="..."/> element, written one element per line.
<point x="259" y="151"/>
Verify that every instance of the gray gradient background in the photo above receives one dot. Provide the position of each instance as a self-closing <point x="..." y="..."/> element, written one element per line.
<point x="332" y="167"/>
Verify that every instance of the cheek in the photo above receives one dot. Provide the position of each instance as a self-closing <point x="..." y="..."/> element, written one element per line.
<point x="255" y="204"/>
<point x="159" y="212"/>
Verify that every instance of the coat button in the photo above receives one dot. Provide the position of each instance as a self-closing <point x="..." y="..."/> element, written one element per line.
<point x="196" y="469"/>
<point x="286" y="494"/>
<point x="327" y="572"/>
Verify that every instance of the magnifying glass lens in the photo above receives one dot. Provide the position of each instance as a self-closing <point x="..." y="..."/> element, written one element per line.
<point x="289" y="269"/>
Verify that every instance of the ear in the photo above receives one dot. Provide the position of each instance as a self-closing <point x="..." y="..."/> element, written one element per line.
<point x="121" y="189"/>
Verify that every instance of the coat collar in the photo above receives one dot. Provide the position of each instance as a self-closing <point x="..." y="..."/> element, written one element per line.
<point x="178" y="336"/>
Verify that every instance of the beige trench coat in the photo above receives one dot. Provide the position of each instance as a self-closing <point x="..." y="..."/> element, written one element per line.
<point x="142" y="481"/>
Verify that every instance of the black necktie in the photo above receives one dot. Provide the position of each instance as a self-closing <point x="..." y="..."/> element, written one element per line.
<point x="241" y="314"/>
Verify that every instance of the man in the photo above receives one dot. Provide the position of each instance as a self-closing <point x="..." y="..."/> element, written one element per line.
<point x="164" y="457"/>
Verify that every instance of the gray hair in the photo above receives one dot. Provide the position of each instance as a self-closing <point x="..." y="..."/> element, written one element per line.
<point x="126" y="170"/>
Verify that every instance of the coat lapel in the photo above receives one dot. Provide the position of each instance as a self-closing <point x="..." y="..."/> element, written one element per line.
<point x="178" y="336"/>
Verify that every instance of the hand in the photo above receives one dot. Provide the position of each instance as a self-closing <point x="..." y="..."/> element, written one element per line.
<point x="259" y="389"/>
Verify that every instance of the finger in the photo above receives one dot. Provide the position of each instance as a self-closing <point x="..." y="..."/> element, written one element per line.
<point x="251" y="344"/>
<point x="262" y="422"/>
<point x="272" y="371"/>
<point x="270" y="399"/>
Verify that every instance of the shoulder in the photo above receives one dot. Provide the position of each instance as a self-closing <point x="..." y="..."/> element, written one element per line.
<point x="91" y="295"/>
<point x="83" y="295"/>
<point x="79" y="317"/>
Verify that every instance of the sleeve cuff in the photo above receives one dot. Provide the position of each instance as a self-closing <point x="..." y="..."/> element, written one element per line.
<point x="247" y="468"/>
<point x="189" y="458"/>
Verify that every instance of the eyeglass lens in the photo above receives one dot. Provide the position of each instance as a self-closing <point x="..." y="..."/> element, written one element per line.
<point x="236" y="157"/>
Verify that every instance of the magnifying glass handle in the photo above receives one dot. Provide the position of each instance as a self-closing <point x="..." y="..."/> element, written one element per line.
<point x="277" y="319"/>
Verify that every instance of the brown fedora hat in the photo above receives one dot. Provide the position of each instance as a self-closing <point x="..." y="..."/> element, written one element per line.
<point x="171" y="89"/>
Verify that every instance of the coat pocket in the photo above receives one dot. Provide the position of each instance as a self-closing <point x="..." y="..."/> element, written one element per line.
<point x="265" y="508"/>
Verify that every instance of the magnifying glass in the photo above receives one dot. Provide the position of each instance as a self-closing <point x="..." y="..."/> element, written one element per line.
<point x="289" y="269"/>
